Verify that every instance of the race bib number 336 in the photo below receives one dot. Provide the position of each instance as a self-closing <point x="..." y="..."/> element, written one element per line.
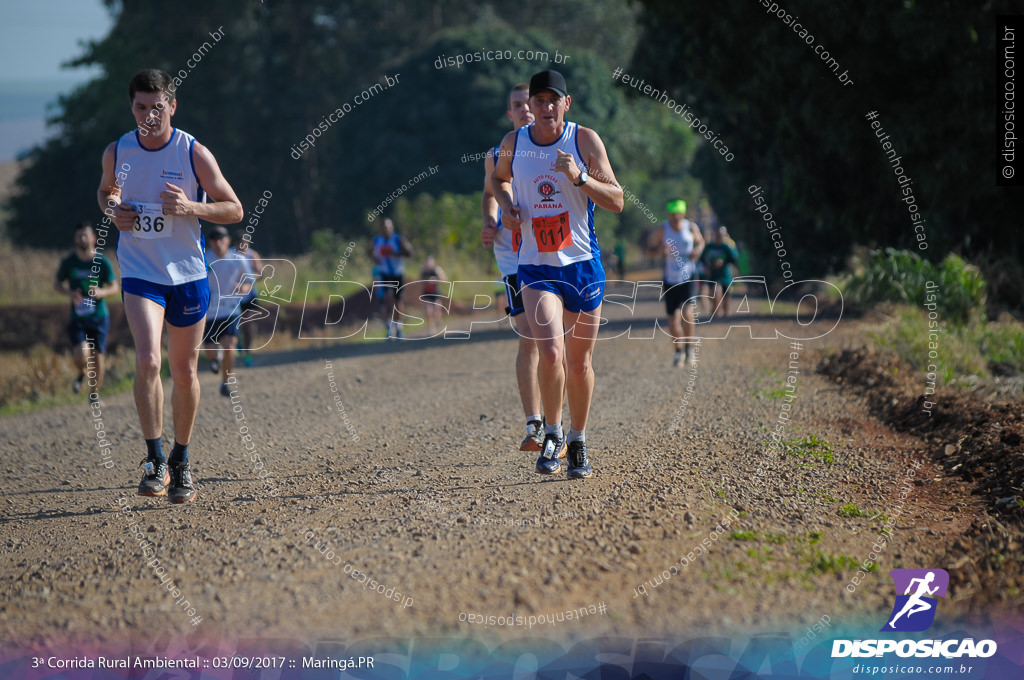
<point x="552" y="232"/>
<point x="150" y="221"/>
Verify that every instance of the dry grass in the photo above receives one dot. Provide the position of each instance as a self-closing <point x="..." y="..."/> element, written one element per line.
<point x="29" y="273"/>
<point x="41" y="378"/>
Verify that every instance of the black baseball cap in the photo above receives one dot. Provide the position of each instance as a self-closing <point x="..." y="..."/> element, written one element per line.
<point x="548" y="80"/>
<point x="219" y="232"/>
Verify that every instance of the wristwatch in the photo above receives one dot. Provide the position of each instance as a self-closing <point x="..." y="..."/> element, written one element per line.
<point x="583" y="179"/>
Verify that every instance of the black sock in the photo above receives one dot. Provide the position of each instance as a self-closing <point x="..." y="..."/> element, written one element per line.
<point x="155" y="449"/>
<point x="179" y="454"/>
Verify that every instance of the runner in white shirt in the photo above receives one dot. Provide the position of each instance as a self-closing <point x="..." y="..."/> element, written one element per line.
<point x="505" y="243"/>
<point x="154" y="186"/>
<point x="681" y="243"/>
<point x="548" y="178"/>
<point x="231" y="280"/>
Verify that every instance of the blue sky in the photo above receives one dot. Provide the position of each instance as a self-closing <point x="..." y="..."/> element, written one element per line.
<point x="36" y="37"/>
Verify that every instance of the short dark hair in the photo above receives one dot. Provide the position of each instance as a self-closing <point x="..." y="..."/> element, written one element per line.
<point x="151" y="80"/>
<point x="84" y="225"/>
<point x="518" y="87"/>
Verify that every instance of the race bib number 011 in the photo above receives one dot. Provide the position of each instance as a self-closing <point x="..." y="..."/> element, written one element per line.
<point x="150" y="221"/>
<point x="552" y="232"/>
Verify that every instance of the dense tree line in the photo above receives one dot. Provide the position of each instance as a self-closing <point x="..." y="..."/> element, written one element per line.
<point x="927" y="69"/>
<point x="287" y="68"/>
<point x="360" y="81"/>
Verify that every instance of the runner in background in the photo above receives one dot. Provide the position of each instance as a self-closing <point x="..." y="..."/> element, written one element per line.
<point x="681" y="245"/>
<point x="231" y="281"/>
<point x="620" y="258"/>
<point x="388" y="252"/>
<point x="431" y="296"/>
<point x="506" y="253"/>
<point x="247" y="330"/>
<point x="86" y="277"/>
<point x="719" y="258"/>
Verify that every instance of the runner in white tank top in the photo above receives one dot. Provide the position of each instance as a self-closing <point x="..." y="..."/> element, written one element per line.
<point x="152" y="189"/>
<point x="560" y="172"/>
<point x="681" y="243"/>
<point x="506" y="253"/>
<point x="160" y="248"/>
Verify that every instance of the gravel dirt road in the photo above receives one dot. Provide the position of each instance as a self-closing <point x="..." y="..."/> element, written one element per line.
<point x="415" y="479"/>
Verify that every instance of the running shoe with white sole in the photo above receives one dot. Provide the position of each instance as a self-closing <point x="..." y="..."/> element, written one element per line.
<point x="548" y="463"/>
<point x="214" y="366"/>
<point x="579" y="466"/>
<point x="155" y="478"/>
<point x="76" y="386"/>
<point x="181" y="489"/>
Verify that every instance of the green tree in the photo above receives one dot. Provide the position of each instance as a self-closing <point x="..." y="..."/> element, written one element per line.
<point x="800" y="133"/>
<point x="279" y="70"/>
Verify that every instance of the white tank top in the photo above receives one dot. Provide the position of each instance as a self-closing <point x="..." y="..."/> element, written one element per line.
<point x="678" y="247"/>
<point x="164" y="249"/>
<point x="226" y="276"/>
<point x="506" y="247"/>
<point x="558" y="218"/>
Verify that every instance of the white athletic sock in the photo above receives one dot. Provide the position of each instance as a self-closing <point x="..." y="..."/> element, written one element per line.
<point x="534" y="418"/>
<point x="577" y="435"/>
<point x="553" y="429"/>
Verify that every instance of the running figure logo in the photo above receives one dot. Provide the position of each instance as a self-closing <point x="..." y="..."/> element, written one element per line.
<point x="915" y="611"/>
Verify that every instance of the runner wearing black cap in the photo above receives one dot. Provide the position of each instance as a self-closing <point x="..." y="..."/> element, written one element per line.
<point x="231" y="281"/>
<point x="558" y="172"/>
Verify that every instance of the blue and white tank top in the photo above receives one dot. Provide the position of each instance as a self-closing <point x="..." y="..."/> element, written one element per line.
<point x="558" y="218"/>
<point x="389" y="265"/>
<point x="506" y="242"/>
<point x="164" y="249"/>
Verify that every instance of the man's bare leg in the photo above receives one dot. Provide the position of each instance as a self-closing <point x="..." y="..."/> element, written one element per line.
<point x="183" y="357"/>
<point x="145" y="319"/>
<point x="544" y="314"/>
<point x="579" y="351"/>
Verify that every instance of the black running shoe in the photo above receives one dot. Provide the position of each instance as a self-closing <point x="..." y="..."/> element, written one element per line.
<point x="548" y="463"/>
<point x="225" y="390"/>
<point x="181" y="489"/>
<point x="534" y="440"/>
<point x="214" y="366"/>
<point x="579" y="466"/>
<point x="76" y="386"/>
<point x="155" y="478"/>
